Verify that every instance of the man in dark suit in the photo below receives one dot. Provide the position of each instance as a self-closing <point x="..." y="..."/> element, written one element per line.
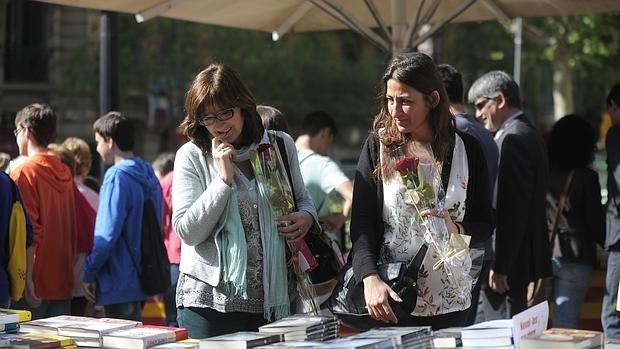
<point x="522" y="251"/>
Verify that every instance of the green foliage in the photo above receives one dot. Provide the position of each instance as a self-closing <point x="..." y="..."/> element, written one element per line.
<point x="588" y="40"/>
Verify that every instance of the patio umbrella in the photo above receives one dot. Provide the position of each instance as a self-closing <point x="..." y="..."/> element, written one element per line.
<point x="399" y="22"/>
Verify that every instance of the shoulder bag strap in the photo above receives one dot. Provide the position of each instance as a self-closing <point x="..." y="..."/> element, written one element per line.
<point x="561" y="204"/>
<point x="283" y="154"/>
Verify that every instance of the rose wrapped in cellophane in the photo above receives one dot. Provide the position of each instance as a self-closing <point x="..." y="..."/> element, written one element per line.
<point x="267" y="163"/>
<point x="421" y="178"/>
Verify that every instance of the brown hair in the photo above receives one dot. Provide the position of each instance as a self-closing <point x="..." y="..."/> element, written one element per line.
<point x="418" y="71"/>
<point x="40" y="120"/>
<point x="219" y="85"/>
<point x="81" y="154"/>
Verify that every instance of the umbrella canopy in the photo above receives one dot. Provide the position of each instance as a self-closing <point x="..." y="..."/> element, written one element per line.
<point x="399" y="21"/>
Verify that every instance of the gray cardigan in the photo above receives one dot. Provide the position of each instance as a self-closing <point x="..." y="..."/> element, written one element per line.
<point x="199" y="199"/>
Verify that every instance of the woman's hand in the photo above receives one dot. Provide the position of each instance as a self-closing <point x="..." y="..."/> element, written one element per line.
<point x="222" y="155"/>
<point x="450" y="224"/>
<point x="90" y="288"/>
<point x="298" y="225"/>
<point x="376" y="294"/>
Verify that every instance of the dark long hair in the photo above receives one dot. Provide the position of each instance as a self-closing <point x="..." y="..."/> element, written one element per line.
<point x="220" y="85"/>
<point x="418" y="71"/>
<point x="571" y="143"/>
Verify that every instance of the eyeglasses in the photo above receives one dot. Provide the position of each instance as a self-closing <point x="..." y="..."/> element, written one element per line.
<point x="17" y="131"/>
<point x="222" y="115"/>
<point x="480" y="105"/>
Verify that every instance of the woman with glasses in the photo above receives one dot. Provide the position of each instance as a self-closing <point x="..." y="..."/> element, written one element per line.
<point x="414" y="116"/>
<point x="233" y="272"/>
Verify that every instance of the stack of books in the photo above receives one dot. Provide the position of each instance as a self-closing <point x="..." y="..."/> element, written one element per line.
<point x="85" y="331"/>
<point x="447" y="337"/>
<point x="495" y="334"/>
<point x="143" y="337"/>
<point x="401" y="337"/>
<point x="303" y="327"/>
<point x="563" y="338"/>
<point x="239" y="340"/>
<point x="9" y="322"/>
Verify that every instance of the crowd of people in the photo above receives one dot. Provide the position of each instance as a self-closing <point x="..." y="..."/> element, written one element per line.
<point x="235" y="221"/>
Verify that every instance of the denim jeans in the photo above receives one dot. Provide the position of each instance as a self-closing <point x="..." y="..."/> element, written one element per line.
<point x="610" y="317"/>
<point x="170" y="303"/>
<point x="567" y="290"/>
<point x="207" y="322"/>
<point x="127" y="310"/>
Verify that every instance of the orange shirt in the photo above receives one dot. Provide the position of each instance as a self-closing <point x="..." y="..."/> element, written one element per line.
<point x="47" y="192"/>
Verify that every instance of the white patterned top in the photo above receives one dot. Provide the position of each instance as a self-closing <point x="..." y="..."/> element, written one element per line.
<point x="404" y="235"/>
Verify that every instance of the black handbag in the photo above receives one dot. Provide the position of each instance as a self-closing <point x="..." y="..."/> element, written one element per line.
<point x="347" y="300"/>
<point x="325" y="256"/>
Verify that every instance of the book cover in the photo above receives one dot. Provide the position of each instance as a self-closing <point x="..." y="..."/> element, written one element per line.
<point x="139" y="337"/>
<point x="50" y="325"/>
<point x="239" y="340"/>
<point x="563" y="338"/>
<point x="24" y="315"/>
<point x="95" y="327"/>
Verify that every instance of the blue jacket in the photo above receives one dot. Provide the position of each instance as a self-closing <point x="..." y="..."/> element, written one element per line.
<point x="8" y="195"/>
<point x="115" y="258"/>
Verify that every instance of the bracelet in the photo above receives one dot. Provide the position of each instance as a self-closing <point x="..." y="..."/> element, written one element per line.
<point x="458" y="228"/>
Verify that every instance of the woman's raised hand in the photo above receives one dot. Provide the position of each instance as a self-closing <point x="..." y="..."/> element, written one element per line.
<point x="222" y="155"/>
<point x="377" y="294"/>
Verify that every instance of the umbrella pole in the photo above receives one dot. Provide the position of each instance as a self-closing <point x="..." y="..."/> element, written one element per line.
<point x="108" y="62"/>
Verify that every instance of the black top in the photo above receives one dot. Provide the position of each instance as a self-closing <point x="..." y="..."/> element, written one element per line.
<point x="582" y="219"/>
<point x="612" y="144"/>
<point x="367" y="227"/>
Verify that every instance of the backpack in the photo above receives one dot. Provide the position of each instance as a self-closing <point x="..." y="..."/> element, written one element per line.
<point x="155" y="278"/>
<point x="154" y="272"/>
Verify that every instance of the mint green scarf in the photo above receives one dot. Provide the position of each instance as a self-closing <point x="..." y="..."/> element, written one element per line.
<point x="234" y="248"/>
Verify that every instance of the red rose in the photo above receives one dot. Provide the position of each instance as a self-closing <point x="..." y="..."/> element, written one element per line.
<point x="263" y="147"/>
<point x="407" y="164"/>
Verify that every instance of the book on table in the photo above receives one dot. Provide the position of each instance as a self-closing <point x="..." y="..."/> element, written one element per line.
<point x="306" y="327"/>
<point x="487" y="342"/>
<point x="7" y="317"/>
<point x="89" y="331"/>
<point x="414" y="336"/>
<point x="37" y="340"/>
<point x="563" y="338"/>
<point x="361" y="343"/>
<point x="182" y="344"/>
<point x="50" y="325"/>
<point x="488" y="329"/>
<point x="143" y="337"/>
<point x="447" y="337"/>
<point x="292" y="344"/>
<point x="240" y="340"/>
<point x="9" y="327"/>
<point x="23" y="315"/>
